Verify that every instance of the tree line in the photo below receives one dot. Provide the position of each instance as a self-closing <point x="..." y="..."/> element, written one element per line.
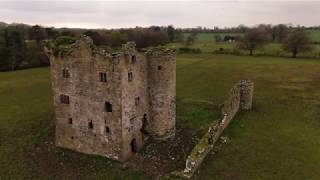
<point x="237" y="29"/>
<point x="22" y="46"/>
<point x="293" y="40"/>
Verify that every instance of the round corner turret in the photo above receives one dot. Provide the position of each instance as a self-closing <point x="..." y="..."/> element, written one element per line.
<point x="162" y="92"/>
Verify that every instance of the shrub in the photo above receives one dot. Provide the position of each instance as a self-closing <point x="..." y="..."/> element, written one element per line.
<point x="190" y="50"/>
<point x="64" y="40"/>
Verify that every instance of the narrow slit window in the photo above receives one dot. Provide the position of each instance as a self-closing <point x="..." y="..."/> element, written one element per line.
<point x="159" y="67"/>
<point x="130" y="76"/>
<point x="137" y="101"/>
<point x="108" y="107"/>
<point x="144" y="124"/>
<point x="61" y="99"/>
<point x="103" y="77"/>
<point x="90" y="124"/>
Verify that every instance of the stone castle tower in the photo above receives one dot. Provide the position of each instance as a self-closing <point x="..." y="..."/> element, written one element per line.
<point x="108" y="104"/>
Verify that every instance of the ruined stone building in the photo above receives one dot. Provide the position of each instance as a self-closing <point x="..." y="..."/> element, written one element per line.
<point x="109" y="103"/>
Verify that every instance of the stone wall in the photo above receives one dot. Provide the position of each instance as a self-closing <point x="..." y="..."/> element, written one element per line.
<point x="81" y="124"/>
<point x="240" y="97"/>
<point x="231" y="105"/>
<point x="246" y="94"/>
<point x="134" y="100"/>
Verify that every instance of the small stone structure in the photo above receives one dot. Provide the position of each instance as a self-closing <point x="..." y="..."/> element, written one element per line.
<point x="246" y="94"/>
<point x="109" y="103"/>
<point x="240" y="97"/>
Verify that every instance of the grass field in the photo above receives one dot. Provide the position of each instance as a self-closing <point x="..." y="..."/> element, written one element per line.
<point x="206" y="42"/>
<point x="315" y="35"/>
<point x="279" y="139"/>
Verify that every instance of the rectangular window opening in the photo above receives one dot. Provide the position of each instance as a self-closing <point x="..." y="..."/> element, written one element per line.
<point x="64" y="99"/>
<point x="108" y="107"/>
<point x="90" y="124"/>
<point x="65" y="73"/>
<point x="107" y="130"/>
<point x="133" y="145"/>
<point x="130" y="76"/>
<point x="70" y="120"/>
<point x="103" y="77"/>
<point x="133" y="59"/>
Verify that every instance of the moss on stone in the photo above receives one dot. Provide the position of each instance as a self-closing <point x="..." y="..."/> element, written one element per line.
<point x="155" y="51"/>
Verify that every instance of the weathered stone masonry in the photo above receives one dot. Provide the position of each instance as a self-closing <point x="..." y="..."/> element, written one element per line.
<point x="107" y="104"/>
<point x="240" y="97"/>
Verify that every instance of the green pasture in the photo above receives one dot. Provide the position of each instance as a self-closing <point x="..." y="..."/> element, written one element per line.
<point x="278" y="139"/>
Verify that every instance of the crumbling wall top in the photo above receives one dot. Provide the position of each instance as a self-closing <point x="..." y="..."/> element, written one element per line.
<point x="64" y="46"/>
<point x="67" y="46"/>
<point x="160" y="51"/>
<point x="129" y="46"/>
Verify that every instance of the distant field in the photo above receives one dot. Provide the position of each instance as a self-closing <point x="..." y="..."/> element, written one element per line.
<point x="315" y="35"/>
<point x="279" y="139"/>
<point x="206" y="42"/>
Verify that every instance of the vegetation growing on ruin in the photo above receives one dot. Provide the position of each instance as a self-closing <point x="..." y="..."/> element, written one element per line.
<point x="61" y="44"/>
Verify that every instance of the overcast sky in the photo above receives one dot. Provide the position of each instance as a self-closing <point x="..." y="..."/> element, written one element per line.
<point x="115" y="14"/>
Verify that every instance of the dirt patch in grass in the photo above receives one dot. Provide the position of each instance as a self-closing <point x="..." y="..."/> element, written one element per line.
<point x="157" y="158"/>
<point x="45" y="160"/>
<point x="160" y="158"/>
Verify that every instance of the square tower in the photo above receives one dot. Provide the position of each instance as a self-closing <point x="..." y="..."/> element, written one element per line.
<point x="102" y="101"/>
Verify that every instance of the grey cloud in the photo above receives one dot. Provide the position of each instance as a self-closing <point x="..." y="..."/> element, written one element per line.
<point x="145" y="13"/>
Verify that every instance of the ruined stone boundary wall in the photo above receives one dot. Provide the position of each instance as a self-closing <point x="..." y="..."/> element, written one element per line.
<point x="240" y="97"/>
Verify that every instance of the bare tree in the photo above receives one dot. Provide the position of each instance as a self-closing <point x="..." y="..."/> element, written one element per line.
<point x="253" y="39"/>
<point x="191" y="39"/>
<point x="37" y="33"/>
<point x="171" y="33"/>
<point x="297" y="41"/>
<point x="217" y="38"/>
<point x="281" y="32"/>
<point x="16" y="46"/>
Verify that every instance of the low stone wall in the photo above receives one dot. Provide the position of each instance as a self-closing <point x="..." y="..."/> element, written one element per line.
<point x="246" y="94"/>
<point x="240" y="97"/>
